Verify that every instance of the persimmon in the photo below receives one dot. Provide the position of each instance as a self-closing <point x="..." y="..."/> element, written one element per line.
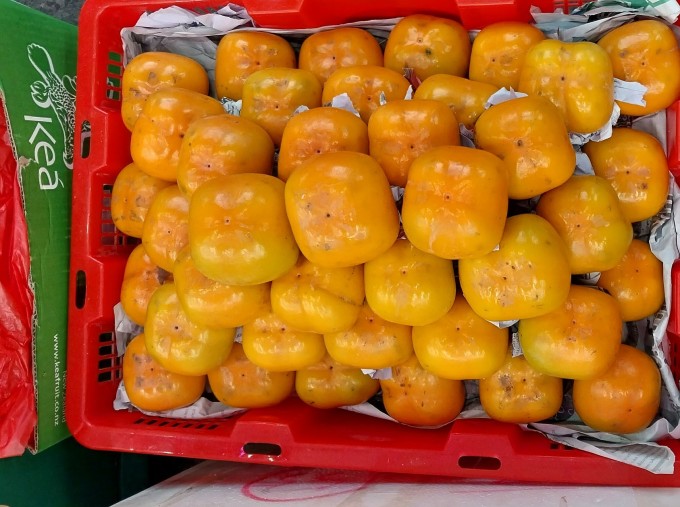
<point x="325" y="51"/>
<point x="623" y="399"/>
<point x="151" y="387"/>
<point x="519" y="393"/>
<point x="329" y="384"/>
<point x="151" y="71"/>
<point x="636" y="282"/>
<point x="428" y="45"/>
<point x="240" y="53"/>
<point x="238" y="382"/>
<point x="131" y="197"/>
<point x="415" y="396"/>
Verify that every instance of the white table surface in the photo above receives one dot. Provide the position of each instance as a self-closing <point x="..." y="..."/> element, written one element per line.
<point x="236" y="484"/>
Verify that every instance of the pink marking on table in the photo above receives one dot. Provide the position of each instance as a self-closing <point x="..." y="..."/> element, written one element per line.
<point x="291" y="485"/>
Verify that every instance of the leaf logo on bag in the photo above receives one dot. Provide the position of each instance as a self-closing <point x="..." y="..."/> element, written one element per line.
<point x="56" y="92"/>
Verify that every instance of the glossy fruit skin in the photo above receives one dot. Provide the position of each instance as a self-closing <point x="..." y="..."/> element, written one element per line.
<point x="645" y="51"/>
<point x="329" y="384"/>
<point x="179" y="345"/>
<point x="442" y="212"/>
<point x="318" y="299"/>
<point x="578" y="340"/>
<point x="625" y="398"/>
<point x="272" y="344"/>
<point x="429" y="45"/>
<point x="341" y="209"/>
<point x="499" y="50"/>
<point x="466" y="98"/>
<point x="214" y="304"/>
<point x="372" y="342"/>
<point x="575" y="76"/>
<point x="365" y="84"/>
<point x="160" y="128"/>
<point x="166" y="227"/>
<point x="238" y="382"/>
<point x="271" y="96"/>
<point x="526" y="277"/>
<point x="316" y="131"/>
<point x="518" y="393"/>
<point x="132" y="194"/>
<point x="461" y="345"/>
<point x="141" y="279"/>
<point x="636" y="282"/>
<point x="241" y="53"/>
<point x="417" y="397"/>
<point x="151" y="387"/>
<point x="220" y="145"/>
<point x="408" y="286"/>
<point x="239" y="233"/>
<point x="635" y="164"/>
<point x="530" y="136"/>
<point x="401" y="130"/>
<point x="586" y="213"/>
<point x="326" y="51"/>
<point x="151" y="71"/>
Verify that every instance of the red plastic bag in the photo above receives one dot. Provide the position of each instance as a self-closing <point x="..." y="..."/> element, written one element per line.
<point x="17" y="399"/>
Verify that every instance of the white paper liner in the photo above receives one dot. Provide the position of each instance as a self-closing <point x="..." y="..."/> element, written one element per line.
<point x="582" y="23"/>
<point x="630" y="92"/>
<point x="343" y="101"/>
<point x="125" y="329"/>
<point x="502" y="95"/>
<point x="381" y="374"/>
<point x="232" y="107"/>
<point x="516" y="345"/>
<point x="648" y="455"/>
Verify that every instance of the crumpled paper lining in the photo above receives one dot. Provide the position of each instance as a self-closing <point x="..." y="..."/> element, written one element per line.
<point x="592" y="21"/>
<point x="17" y="399"/>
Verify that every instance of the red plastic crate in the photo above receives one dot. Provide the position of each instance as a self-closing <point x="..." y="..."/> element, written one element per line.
<point x="291" y="434"/>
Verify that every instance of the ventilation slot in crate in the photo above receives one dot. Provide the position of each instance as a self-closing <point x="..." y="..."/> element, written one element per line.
<point x="114" y="74"/>
<point x="175" y="423"/>
<point x="109" y="364"/>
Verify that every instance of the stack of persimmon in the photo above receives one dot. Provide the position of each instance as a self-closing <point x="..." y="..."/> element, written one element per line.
<point x="334" y="241"/>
